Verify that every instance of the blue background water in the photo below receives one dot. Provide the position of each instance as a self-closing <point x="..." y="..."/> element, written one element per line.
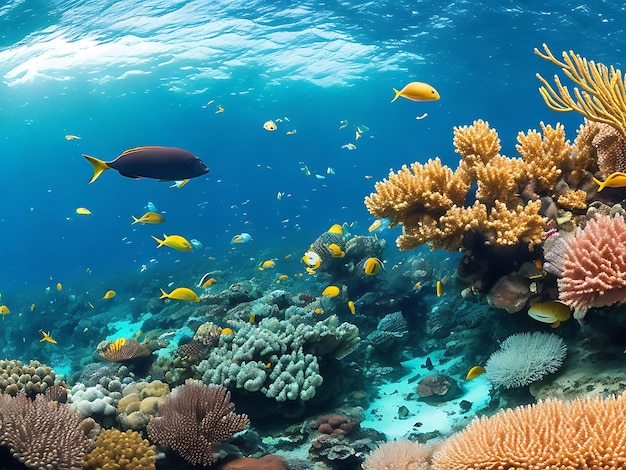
<point x="122" y="74"/>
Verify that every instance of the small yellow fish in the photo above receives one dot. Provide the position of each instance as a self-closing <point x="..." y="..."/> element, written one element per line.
<point x="336" y="251"/>
<point x="109" y="294"/>
<point x="331" y="291"/>
<point x="372" y="266"/>
<point x="209" y="282"/>
<point x="351" y="307"/>
<point x="551" y="311"/>
<point x="343" y="124"/>
<point x="220" y="109"/>
<point x="279" y="195"/>
<point x="59" y="286"/>
<point x="282" y="277"/>
<point x="148" y="218"/>
<point x="179" y="183"/>
<point x="438" y="288"/>
<point x="241" y="238"/>
<point x="47" y="337"/>
<point x="375" y="225"/>
<point x="32" y="307"/>
<point x="4" y="310"/>
<point x="474" y="372"/>
<point x="252" y="318"/>
<point x="72" y="137"/>
<point x="270" y="126"/>
<point x="227" y="331"/>
<point x="180" y="293"/>
<point x="174" y="241"/>
<point x="336" y="228"/>
<point x="318" y="311"/>
<point x="349" y="146"/>
<point x="83" y="211"/>
<point x="312" y="260"/>
<point x="417" y="91"/>
<point x="417" y="285"/>
<point x="267" y="264"/>
<point x="368" y="177"/>
<point x="291" y="132"/>
<point x="614" y="180"/>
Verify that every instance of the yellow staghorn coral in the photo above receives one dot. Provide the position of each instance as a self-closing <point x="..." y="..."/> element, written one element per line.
<point x="573" y="200"/>
<point x="500" y="180"/>
<point x="545" y="155"/>
<point x="521" y="224"/>
<point x="477" y="140"/>
<point x="413" y="192"/>
<point x="601" y="96"/>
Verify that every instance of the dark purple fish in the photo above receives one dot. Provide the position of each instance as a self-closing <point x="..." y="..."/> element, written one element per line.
<point x="162" y="163"/>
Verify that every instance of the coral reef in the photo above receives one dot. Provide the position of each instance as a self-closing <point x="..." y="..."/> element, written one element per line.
<point x="117" y="450"/>
<point x="399" y="455"/>
<point x="591" y="264"/>
<point x="551" y="434"/>
<point x="524" y="358"/>
<point x="33" y="377"/>
<point x="44" y="434"/>
<point x="194" y="419"/>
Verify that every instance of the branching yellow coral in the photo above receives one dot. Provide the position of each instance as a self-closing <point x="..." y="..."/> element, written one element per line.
<point x="601" y="96"/>
<point x="412" y="192"/>
<point x="572" y="200"/>
<point x="521" y="224"/>
<point x="545" y="155"/>
<point x="500" y="180"/>
<point x="477" y="139"/>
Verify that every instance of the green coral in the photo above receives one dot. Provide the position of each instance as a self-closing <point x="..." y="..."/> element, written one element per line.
<point x="278" y="358"/>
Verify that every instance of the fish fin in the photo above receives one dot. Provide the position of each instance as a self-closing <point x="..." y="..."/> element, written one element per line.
<point x="163" y="295"/>
<point x="98" y="167"/>
<point x="397" y="95"/>
<point x="135" y="220"/>
<point x="160" y="242"/>
<point x="600" y="184"/>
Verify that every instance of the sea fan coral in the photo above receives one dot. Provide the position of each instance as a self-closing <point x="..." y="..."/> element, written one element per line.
<point x="552" y="434"/>
<point x="594" y="265"/>
<point x="194" y="419"/>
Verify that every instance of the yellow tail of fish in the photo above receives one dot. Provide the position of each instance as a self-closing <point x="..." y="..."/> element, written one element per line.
<point x="160" y="242"/>
<point x="98" y="167"/>
<point x="397" y="92"/>
<point x="164" y="295"/>
<point x="135" y="220"/>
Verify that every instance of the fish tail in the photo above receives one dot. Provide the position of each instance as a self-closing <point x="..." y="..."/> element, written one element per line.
<point x="135" y="220"/>
<point x="599" y="183"/>
<point x="160" y="242"/>
<point x="397" y="95"/>
<point x="98" y="167"/>
<point x="164" y="295"/>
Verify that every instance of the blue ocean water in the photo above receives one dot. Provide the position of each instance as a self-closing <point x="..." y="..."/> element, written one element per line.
<point x="127" y="73"/>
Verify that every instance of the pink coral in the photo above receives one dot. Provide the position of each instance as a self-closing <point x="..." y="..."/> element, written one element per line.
<point x="594" y="265"/>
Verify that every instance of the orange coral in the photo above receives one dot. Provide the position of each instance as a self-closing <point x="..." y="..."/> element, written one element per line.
<point x="550" y="435"/>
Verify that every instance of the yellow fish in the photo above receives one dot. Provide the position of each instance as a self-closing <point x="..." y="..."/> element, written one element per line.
<point x="417" y="91"/>
<point x="267" y="264"/>
<point x="474" y="372"/>
<point x="72" y="137"/>
<point x="220" y="109"/>
<point x="331" y="291"/>
<point x="252" y="318"/>
<point x="614" y="180"/>
<point x="46" y="337"/>
<point x="349" y="146"/>
<point x="209" y="282"/>
<point x="148" y="218"/>
<point x="551" y="311"/>
<point x="32" y="307"/>
<point x="312" y="260"/>
<point x="336" y="251"/>
<point x="375" y="225"/>
<point x="241" y="238"/>
<point x="180" y="293"/>
<point x="109" y="294"/>
<point x="174" y="241"/>
<point x="372" y="266"/>
<point x="336" y="228"/>
<point x="352" y="307"/>
<point x="438" y="288"/>
<point x="270" y="126"/>
<point x="180" y="183"/>
<point x="59" y="286"/>
<point x="4" y="310"/>
<point x="282" y="277"/>
<point x="227" y="331"/>
<point x="292" y="132"/>
<point x="83" y="211"/>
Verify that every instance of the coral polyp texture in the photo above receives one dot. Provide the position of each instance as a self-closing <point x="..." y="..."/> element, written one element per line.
<point x="430" y="199"/>
<point x="591" y="264"/>
<point x="552" y="434"/>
